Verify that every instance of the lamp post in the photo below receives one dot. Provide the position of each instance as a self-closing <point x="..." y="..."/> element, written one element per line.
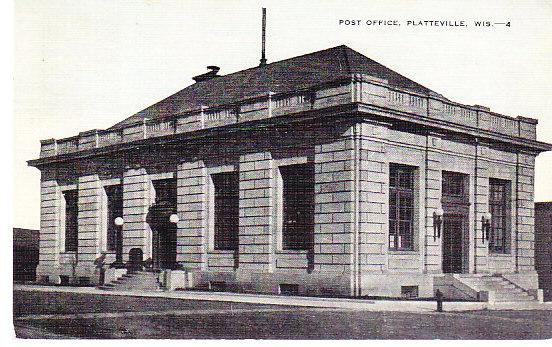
<point x="174" y="218"/>
<point x="119" y="221"/>
<point x="485" y="226"/>
<point x="437" y="223"/>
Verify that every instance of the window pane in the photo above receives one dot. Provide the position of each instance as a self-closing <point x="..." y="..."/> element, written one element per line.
<point x="401" y="207"/>
<point x="298" y="209"/>
<point x="499" y="206"/>
<point x="405" y="234"/>
<point x="393" y="206"/>
<point x="405" y="179"/>
<point x="226" y="207"/>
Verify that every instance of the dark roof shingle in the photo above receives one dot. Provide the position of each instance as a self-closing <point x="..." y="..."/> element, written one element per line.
<point x="287" y="75"/>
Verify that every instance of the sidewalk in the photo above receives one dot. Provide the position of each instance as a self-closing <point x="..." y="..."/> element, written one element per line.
<point x="353" y="304"/>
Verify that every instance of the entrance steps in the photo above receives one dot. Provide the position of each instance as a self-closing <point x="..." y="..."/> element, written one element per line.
<point x="499" y="288"/>
<point x="136" y="281"/>
<point x="480" y="287"/>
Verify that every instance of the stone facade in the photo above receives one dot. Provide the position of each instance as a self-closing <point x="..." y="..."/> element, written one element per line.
<point x="352" y="131"/>
<point x="543" y="247"/>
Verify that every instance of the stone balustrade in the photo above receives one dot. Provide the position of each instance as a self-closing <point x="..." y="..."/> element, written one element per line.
<point x="360" y="88"/>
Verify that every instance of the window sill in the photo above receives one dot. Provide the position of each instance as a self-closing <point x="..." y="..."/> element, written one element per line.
<point x="414" y="252"/>
<point x="505" y="255"/>
<point x="292" y="251"/>
<point x="222" y="251"/>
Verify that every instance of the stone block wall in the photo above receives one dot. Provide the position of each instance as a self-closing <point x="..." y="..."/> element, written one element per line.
<point x="256" y="247"/>
<point x="334" y="217"/>
<point x="525" y="222"/>
<point x="192" y="211"/>
<point x="373" y="190"/>
<point x="433" y="192"/>
<point x="351" y="246"/>
<point x="481" y="208"/>
<point x="137" y="197"/>
<point x="50" y="231"/>
<point x="89" y="224"/>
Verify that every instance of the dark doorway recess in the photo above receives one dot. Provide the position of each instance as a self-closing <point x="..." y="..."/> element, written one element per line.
<point x="455" y="201"/>
<point x="163" y="231"/>
<point x="453" y="231"/>
<point x="114" y="231"/>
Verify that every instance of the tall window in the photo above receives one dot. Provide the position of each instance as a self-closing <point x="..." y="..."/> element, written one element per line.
<point x="298" y="206"/>
<point x="71" y="220"/>
<point x="401" y="207"/>
<point x="114" y="210"/>
<point x="499" y="205"/>
<point x="226" y="205"/>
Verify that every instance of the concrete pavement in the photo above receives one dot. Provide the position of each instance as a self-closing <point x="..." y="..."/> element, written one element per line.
<point x="340" y="303"/>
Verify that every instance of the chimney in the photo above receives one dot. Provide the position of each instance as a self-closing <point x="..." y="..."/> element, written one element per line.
<point x="208" y="75"/>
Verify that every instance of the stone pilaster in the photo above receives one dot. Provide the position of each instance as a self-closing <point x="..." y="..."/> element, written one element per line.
<point x="50" y="228"/>
<point x="433" y="192"/>
<point x="256" y="248"/>
<point x="192" y="210"/>
<point x="334" y="217"/>
<point x="89" y="224"/>
<point x="137" y="198"/>
<point x="525" y="217"/>
<point x="481" y="191"/>
<point x="374" y="199"/>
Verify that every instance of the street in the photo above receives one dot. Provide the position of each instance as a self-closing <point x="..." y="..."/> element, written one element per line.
<point x="77" y="315"/>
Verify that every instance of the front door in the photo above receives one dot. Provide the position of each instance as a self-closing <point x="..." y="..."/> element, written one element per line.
<point x="163" y="231"/>
<point x="163" y="235"/>
<point x="164" y="245"/>
<point x="454" y="229"/>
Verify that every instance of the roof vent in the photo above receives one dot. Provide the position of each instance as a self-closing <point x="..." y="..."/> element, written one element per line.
<point x="208" y="75"/>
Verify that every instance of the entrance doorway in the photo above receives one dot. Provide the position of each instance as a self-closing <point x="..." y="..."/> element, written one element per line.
<point x="455" y="240"/>
<point x="163" y="231"/>
<point x="454" y="228"/>
<point x="163" y="236"/>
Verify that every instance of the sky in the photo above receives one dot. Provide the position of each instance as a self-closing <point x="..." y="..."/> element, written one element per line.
<point x="81" y="65"/>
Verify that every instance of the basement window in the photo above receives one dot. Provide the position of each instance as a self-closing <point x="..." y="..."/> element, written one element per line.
<point x="409" y="292"/>
<point x="289" y="289"/>
<point x="84" y="281"/>
<point x="64" y="280"/>
<point x="217" y="286"/>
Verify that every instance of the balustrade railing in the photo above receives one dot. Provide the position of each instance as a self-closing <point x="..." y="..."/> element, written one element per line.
<point x="67" y="145"/>
<point x="271" y="104"/>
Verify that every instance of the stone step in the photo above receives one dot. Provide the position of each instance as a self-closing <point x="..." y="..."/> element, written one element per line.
<point x="491" y="279"/>
<point x="513" y="298"/>
<point x="504" y="290"/>
<point x="510" y="291"/>
<point x="137" y="281"/>
<point x="495" y="287"/>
